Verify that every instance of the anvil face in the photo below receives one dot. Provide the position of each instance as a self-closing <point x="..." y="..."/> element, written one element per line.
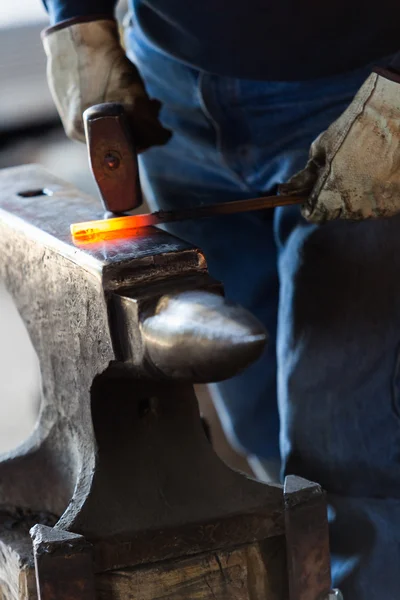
<point x="50" y="205"/>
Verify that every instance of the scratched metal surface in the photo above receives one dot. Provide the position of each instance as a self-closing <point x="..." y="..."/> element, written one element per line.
<point x="148" y="249"/>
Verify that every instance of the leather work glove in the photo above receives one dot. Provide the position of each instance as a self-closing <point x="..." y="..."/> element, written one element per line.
<point x="353" y="170"/>
<point x="86" y="65"/>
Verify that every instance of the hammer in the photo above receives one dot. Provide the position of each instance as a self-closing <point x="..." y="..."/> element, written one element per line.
<point x="113" y="162"/>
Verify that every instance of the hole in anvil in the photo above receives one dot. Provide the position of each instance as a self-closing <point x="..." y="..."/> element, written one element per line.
<point x="34" y="193"/>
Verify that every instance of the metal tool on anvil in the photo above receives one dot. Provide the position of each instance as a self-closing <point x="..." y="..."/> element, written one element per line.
<point x="118" y="493"/>
<point x="112" y="157"/>
<point x="113" y="161"/>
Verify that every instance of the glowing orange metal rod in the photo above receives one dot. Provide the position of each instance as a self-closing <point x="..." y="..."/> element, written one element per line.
<point x="97" y="229"/>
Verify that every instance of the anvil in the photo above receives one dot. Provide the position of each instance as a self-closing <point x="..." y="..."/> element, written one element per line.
<point x="118" y="492"/>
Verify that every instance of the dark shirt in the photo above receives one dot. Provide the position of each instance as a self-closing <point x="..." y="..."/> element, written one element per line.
<point x="260" y="39"/>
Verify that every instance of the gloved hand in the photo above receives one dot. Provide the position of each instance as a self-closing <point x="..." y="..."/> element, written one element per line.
<point x="86" y="65"/>
<point x="354" y="167"/>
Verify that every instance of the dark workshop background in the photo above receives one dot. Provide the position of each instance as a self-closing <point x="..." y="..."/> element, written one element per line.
<point x="30" y="132"/>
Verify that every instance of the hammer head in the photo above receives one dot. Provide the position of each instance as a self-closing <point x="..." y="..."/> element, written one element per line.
<point x="113" y="157"/>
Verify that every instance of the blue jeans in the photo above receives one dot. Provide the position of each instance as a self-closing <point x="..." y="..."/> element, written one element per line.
<point x="329" y="297"/>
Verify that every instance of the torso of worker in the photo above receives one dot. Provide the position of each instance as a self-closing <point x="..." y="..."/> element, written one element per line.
<point x="261" y="39"/>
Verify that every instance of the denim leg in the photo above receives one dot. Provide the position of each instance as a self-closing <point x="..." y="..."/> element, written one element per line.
<point x="338" y="355"/>
<point x="339" y="313"/>
<point x="339" y="392"/>
<point x="365" y="547"/>
<point x="235" y="139"/>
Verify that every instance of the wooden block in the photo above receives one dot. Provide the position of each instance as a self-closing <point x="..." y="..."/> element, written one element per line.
<point x="252" y="572"/>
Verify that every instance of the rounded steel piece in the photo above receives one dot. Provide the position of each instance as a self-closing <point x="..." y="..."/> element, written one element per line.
<point x="201" y="337"/>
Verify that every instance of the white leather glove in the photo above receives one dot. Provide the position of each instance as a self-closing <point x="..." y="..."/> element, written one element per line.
<point x="86" y="65"/>
<point x="354" y="167"/>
